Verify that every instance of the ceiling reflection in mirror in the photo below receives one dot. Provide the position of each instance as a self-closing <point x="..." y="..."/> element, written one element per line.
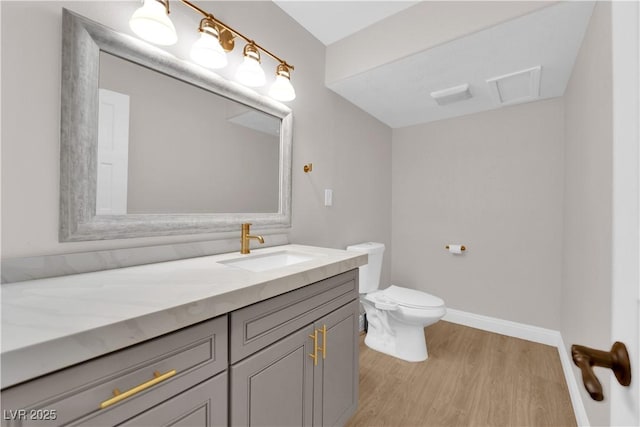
<point x="166" y="146"/>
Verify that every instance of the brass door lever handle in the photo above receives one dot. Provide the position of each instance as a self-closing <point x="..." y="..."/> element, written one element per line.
<point x="617" y="360"/>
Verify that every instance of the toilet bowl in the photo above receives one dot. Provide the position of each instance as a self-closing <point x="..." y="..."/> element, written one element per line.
<point x="397" y="316"/>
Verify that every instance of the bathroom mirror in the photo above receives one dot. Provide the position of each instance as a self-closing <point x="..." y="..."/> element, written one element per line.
<point x="201" y="155"/>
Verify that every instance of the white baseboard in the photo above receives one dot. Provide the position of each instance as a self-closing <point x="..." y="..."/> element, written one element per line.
<point x="529" y="333"/>
<point x="504" y="327"/>
<point x="574" y="390"/>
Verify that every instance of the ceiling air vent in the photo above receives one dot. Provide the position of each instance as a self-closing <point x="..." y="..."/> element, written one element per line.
<point x="452" y="94"/>
<point x="514" y="88"/>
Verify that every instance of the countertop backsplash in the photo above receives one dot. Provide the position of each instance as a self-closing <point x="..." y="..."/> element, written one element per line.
<point x="41" y="267"/>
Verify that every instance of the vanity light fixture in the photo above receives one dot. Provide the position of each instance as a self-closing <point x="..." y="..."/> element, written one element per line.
<point x="151" y="22"/>
<point x="250" y="72"/>
<point x="207" y="50"/>
<point x="282" y="88"/>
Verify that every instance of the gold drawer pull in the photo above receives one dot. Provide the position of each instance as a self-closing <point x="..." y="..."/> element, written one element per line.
<point x="118" y="396"/>
<point x="314" y="356"/>
<point x="324" y="341"/>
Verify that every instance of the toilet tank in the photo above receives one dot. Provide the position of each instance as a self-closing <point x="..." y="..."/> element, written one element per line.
<point x="369" y="275"/>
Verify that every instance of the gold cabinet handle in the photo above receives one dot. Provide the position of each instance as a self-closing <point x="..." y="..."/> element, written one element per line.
<point x="324" y="341"/>
<point x="314" y="356"/>
<point x="118" y="396"/>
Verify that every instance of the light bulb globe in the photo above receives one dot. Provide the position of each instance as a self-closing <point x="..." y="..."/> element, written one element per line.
<point x="282" y="89"/>
<point x="151" y="23"/>
<point x="207" y="52"/>
<point x="250" y="73"/>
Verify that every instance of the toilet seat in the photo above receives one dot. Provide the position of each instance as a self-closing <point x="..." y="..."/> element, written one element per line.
<point x="381" y="302"/>
<point x="393" y="296"/>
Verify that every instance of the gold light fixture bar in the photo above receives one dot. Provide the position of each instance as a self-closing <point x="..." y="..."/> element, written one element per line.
<point x="227" y="42"/>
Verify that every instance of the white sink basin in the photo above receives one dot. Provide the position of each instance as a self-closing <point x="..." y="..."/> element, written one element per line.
<point x="270" y="261"/>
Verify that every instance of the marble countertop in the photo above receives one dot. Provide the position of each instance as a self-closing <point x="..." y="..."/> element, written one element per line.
<point x="49" y="324"/>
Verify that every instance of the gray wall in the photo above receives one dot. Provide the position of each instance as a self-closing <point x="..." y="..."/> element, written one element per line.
<point x="492" y="181"/>
<point x="586" y="291"/>
<point x="529" y="190"/>
<point x="349" y="149"/>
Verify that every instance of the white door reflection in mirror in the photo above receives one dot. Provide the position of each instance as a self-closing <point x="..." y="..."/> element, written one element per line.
<point x="113" y="149"/>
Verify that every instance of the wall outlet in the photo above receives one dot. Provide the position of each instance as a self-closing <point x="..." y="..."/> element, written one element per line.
<point x="361" y="323"/>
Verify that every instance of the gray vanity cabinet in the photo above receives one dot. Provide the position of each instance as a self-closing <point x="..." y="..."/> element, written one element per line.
<point x="253" y="366"/>
<point x="147" y="375"/>
<point x="308" y="377"/>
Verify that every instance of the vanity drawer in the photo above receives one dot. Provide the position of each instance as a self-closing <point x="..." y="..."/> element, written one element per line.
<point x="204" y="405"/>
<point x="258" y="325"/>
<point x="74" y="395"/>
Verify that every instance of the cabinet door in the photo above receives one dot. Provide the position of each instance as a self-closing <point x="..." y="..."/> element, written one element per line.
<point x="336" y="376"/>
<point x="274" y="387"/>
<point x="204" y="405"/>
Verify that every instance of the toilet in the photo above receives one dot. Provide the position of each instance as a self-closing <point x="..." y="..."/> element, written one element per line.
<point x="397" y="316"/>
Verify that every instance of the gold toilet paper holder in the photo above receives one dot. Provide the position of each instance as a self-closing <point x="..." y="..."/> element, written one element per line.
<point x="462" y="248"/>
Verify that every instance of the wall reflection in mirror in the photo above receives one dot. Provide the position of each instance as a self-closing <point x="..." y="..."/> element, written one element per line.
<point x="166" y="146"/>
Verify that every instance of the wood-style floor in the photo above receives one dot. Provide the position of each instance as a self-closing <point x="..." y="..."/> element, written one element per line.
<point x="471" y="378"/>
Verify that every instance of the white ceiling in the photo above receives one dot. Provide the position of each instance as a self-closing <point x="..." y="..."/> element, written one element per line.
<point x="330" y="21"/>
<point x="398" y="92"/>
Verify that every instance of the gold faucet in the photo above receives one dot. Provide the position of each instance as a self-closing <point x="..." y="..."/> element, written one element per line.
<point x="245" y="237"/>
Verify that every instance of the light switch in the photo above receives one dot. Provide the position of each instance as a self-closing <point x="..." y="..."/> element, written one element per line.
<point x="328" y="197"/>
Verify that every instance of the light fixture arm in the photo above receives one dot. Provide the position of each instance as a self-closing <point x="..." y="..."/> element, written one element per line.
<point x="234" y="32"/>
<point x="165" y="3"/>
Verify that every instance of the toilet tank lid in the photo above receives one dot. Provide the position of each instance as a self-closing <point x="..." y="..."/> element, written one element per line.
<point x="368" y="247"/>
